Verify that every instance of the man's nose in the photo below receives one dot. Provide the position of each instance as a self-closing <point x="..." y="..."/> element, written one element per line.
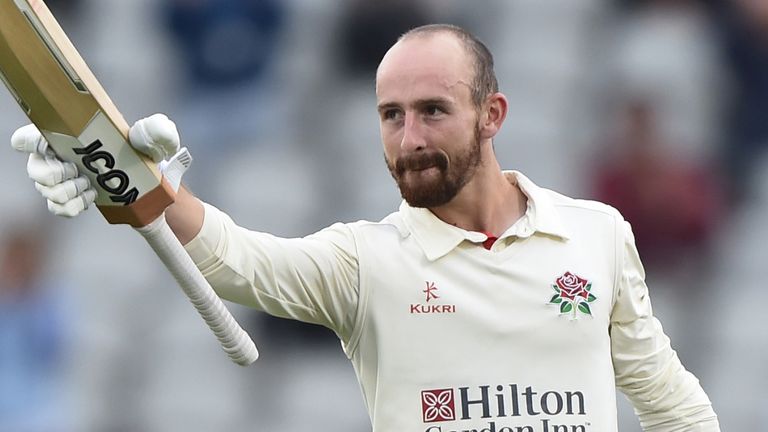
<point x="413" y="133"/>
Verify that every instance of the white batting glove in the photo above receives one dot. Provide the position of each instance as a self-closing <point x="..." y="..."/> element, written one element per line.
<point x="67" y="192"/>
<point x="157" y="137"/>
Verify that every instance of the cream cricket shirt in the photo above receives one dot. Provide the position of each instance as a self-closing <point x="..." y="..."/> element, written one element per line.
<point x="533" y="335"/>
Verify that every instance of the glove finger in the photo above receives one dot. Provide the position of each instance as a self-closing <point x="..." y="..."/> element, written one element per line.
<point x="28" y="139"/>
<point x="74" y="206"/>
<point x="156" y="136"/>
<point x="49" y="170"/>
<point x="64" y="191"/>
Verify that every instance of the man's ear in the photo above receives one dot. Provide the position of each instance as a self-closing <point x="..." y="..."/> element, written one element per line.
<point x="493" y="115"/>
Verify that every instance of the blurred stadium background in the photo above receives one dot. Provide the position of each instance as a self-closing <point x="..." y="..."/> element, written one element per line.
<point x="659" y="107"/>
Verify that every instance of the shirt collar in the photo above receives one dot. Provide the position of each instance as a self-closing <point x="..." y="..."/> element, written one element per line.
<point x="437" y="238"/>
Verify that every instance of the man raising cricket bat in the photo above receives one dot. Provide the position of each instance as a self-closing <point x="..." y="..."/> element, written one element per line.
<point x="485" y="302"/>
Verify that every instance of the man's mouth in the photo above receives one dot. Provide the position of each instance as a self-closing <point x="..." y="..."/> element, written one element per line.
<point x="422" y="163"/>
<point x="423" y="168"/>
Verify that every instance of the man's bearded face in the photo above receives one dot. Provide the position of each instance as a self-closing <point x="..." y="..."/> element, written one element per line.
<point x="432" y="178"/>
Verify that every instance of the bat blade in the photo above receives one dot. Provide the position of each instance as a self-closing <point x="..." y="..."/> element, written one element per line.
<point x="59" y="93"/>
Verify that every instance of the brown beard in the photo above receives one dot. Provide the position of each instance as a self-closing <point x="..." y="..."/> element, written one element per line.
<point x="452" y="178"/>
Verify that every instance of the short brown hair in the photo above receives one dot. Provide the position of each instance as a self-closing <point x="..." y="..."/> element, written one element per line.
<point x="484" y="82"/>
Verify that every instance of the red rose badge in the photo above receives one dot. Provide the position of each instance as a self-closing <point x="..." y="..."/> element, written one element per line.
<point x="573" y="294"/>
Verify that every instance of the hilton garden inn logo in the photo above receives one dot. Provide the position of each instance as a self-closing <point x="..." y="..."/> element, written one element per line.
<point x="502" y="408"/>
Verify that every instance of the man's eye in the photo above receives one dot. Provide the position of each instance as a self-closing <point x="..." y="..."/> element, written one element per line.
<point x="392" y="114"/>
<point x="433" y="110"/>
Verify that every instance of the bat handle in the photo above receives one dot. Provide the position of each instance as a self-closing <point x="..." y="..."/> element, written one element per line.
<point x="234" y="340"/>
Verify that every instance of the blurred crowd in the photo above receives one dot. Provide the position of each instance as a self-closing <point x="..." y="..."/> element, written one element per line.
<point x="658" y="107"/>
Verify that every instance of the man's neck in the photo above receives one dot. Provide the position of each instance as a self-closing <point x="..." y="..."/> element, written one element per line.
<point x="489" y="203"/>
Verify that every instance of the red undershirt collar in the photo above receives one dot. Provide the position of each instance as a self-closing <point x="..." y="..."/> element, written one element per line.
<point x="490" y="240"/>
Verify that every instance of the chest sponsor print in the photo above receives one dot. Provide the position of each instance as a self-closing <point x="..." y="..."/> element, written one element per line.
<point x="504" y="408"/>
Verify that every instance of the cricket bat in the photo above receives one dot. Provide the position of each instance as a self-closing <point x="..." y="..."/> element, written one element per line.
<point x="58" y="92"/>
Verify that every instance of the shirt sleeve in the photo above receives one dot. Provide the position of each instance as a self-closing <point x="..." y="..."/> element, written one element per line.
<point x="666" y="397"/>
<point x="312" y="279"/>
